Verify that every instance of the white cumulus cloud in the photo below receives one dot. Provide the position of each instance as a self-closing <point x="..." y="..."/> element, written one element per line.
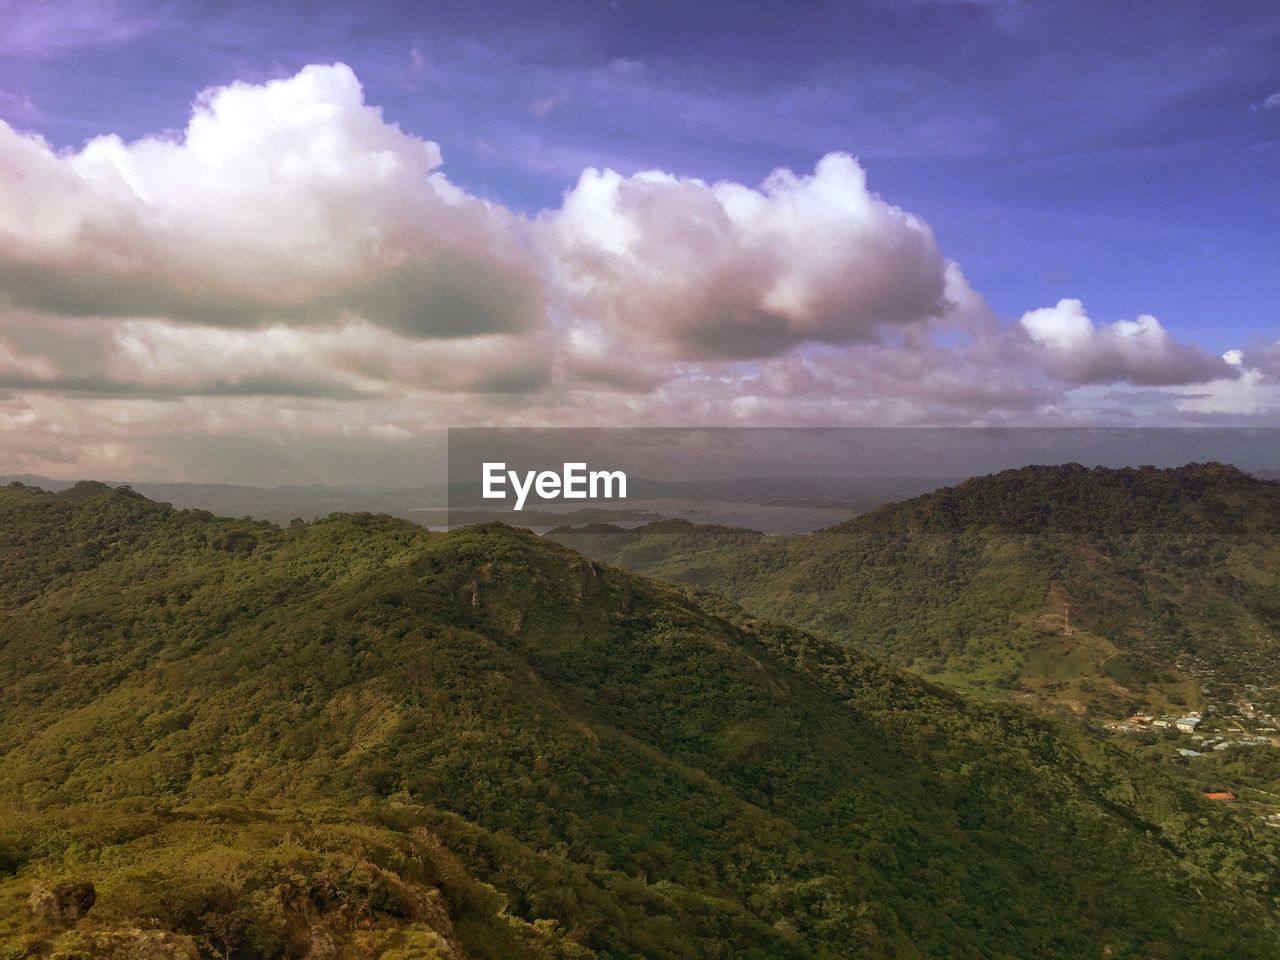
<point x="725" y="270"/>
<point x="289" y="201"/>
<point x="1140" y="351"/>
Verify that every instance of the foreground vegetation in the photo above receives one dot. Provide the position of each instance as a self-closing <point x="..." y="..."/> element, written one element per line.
<point x="355" y="738"/>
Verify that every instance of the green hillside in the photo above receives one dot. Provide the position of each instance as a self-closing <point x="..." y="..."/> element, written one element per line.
<point x="354" y="738"/>
<point x="1090" y="589"/>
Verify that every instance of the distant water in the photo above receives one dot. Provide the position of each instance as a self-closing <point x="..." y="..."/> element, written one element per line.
<point x="767" y="518"/>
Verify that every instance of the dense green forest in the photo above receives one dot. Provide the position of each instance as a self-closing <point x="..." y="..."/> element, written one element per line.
<point x="355" y="738"/>
<point x="1097" y="590"/>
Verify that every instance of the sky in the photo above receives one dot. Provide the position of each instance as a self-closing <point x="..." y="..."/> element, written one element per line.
<point x="289" y="242"/>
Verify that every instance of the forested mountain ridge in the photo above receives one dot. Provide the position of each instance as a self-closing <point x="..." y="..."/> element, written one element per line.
<point x="355" y="738"/>
<point x="1097" y="589"/>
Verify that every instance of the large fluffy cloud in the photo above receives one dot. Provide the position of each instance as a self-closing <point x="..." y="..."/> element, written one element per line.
<point x="726" y="271"/>
<point x="1138" y="351"/>
<point x="290" y="201"/>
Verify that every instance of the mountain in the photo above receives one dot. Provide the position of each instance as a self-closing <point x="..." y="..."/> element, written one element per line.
<point x="277" y="504"/>
<point x="356" y="738"/>
<point x="1096" y="590"/>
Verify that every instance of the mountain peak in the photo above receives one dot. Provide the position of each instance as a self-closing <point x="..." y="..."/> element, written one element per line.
<point x="86" y="489"/>
<point x="1072" y="498"/>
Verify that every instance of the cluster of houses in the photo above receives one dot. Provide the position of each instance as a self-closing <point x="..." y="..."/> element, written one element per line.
<point x="1234" y="736"/>
<point x="1239" y="724"/>
<point x="1241" y="708"/>
<point x="1141" y="721"/>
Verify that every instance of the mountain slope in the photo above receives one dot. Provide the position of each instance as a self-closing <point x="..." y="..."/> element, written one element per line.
<point x="355" y="738"/>
<point x="1098" y="589"/>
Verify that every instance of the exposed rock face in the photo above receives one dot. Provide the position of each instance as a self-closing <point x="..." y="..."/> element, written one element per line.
<point x="127" y="945"/>
<point x="62" y="904"/>
<point x="321" y="945"/>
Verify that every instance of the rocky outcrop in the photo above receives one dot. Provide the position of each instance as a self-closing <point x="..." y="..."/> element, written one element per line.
<point x="126" y="945"/>
<point x="62" y="904"/>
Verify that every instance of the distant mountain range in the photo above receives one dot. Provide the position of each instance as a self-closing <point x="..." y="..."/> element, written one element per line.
<point x="1095" y="590"/>
<point x="277" y="504"/>
<point x="426" y="504"/>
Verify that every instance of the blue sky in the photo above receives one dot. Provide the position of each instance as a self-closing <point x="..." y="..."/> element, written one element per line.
<point x="238" y="238"/>
<point x="1112" y="152"/>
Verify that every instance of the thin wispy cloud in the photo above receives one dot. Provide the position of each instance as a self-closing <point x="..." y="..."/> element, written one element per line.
<point x="542" y="106"/>
<point x="53" y="28"/>
<point x="18" y="106"/>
